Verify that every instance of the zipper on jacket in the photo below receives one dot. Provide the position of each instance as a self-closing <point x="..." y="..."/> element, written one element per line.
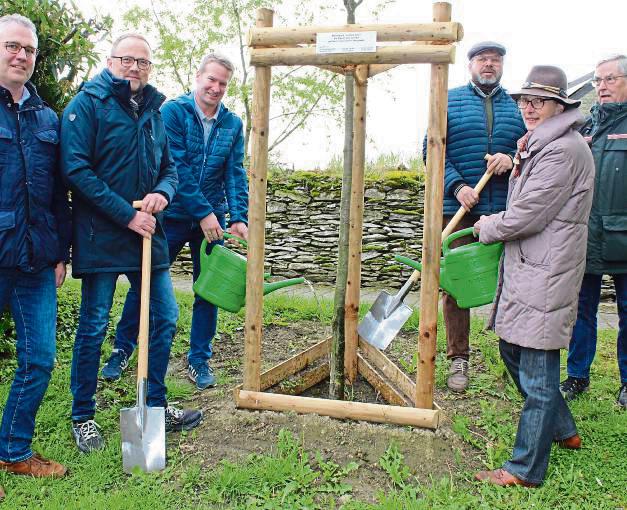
<point x="206" y="147"/>
<point x="27" y="184"/>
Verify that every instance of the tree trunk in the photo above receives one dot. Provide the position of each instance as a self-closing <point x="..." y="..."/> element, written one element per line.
<point x="336" y="381"/>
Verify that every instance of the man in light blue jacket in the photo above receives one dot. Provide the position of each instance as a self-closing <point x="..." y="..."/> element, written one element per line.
<point x="207" y="143"/>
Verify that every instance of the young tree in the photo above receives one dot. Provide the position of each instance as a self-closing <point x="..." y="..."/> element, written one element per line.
<point x="336" y="383"/>
<point x="66" y="46"/>
<point x="183" y="38"/>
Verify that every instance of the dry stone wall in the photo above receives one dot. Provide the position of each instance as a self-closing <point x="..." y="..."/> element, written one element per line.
<point x="303" y="217"/>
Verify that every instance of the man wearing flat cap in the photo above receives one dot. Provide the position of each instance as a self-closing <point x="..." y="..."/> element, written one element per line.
<point x="482" y="119"/>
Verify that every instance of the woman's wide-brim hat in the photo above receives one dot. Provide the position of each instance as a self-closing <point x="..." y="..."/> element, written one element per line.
<point x="546" y="81"/>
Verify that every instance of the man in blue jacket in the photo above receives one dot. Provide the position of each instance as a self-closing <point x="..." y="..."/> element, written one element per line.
<point x="207" y="144"/>
<point x="482" y="119"/>
<point x="114" y="151"/>
<point x="34" y="242"/>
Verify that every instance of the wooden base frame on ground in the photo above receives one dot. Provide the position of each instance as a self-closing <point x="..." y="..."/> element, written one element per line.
<point x="410" y="404"/>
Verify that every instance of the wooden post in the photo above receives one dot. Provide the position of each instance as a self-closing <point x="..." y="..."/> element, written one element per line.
<point x="257" y="218"/>
<point x="353" y="284"/>
<point x="432" y="236"/>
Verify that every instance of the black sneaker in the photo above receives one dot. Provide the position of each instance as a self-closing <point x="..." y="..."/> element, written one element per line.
<point x="181" y="419"/>
<point x="87" y="436"/>
<point x="622" y="396"/>
<point x="572" y="387"/>
<point x="115" y="365"/>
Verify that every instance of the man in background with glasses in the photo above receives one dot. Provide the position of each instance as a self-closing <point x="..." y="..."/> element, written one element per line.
<point x="482" y="119"/>
<point x="34" y="242"/>
<point x="606" y="132"/>
<point x="114" y="151"/>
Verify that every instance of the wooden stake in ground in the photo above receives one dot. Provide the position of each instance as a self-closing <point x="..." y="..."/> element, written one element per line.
<point x="257" y="218"/>
<point x="336" y="358"/>
<point x="432" y="237"/>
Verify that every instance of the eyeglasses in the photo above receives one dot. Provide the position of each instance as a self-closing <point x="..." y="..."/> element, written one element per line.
<point x="15" y="48"/>
<point x="142" y="63"/>
<point x="494" y="60"/>
<point x="537" y="102"/>
<point x="609" y="80"/>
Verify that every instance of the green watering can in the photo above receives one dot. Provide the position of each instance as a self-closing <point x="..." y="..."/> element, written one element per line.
<point x="469" y="273"/>
<point x="222" y="278"/>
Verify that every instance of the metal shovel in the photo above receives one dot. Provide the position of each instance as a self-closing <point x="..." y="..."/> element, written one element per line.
<point x="388" y="313"/>
<point x="143" y="427"/>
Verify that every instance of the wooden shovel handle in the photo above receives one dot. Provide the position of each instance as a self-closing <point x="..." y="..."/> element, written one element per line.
<point x="461" y="212"/>
<point x="144" y="308"/>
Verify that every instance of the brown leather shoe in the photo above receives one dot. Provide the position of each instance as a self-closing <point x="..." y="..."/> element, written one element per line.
<point x="572" y="442"/>
<point x="502" y="478"/>
<point x="35" y="466"/>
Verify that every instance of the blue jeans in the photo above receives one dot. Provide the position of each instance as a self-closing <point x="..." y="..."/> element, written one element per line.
<point x="97" y="297"/>
<point x="545" y="417"/>
<point x="32" y="299"/>
<point x="583" y="344"/>
<point x="204" y="314"/>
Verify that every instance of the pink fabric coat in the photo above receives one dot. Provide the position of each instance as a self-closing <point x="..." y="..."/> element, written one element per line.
<point x="545" y="231"/>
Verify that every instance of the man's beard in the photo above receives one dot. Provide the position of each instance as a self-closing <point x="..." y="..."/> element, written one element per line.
<point x="488" y="81"/>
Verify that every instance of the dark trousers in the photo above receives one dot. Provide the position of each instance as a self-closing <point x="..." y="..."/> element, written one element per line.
<point x="456" y="319"/>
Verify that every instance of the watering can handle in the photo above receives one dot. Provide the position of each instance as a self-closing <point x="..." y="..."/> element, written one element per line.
<point x="238" y="239"/>
<point x="456" y="235"/>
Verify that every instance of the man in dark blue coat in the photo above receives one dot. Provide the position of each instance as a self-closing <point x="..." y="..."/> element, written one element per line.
<point x="482" y="120"/>
<point x="34" y="242"/>
<point x="207" y="144"/>
<point x="114" y="151"/>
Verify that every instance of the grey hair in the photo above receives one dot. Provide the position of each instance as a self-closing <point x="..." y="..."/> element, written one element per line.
<point x="129" y="35"/>
<point x="218" y="59"/>
<point x="20" y="20"/>
<point x="619" y="58"/>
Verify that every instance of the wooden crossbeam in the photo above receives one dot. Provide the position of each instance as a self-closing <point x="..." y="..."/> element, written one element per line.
<point x="305" y="380"/>
<point x="381" y="384"/>
<point x="407" y="54"/>
<point x="394" y="374"/>
<point x="445" y="32"/>
<point x="426" y="418"/>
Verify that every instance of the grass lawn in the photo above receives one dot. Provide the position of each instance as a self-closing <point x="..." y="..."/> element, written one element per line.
<point x="288" y="475"/>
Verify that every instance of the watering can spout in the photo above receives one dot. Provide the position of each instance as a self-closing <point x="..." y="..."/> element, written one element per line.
<point x="271" y="287"/>
<point x="409" y="262"/>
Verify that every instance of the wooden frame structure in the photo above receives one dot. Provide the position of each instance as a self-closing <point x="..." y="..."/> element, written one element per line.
<point x="410" y="404"/>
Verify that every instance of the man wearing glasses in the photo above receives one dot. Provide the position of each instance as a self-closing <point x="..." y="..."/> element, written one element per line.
<point x="114" y="151"/>
<point x="34" y="242"/>
<point x="482" y="119"/>
<point x="606" y="132"/>
<point x="207" y="144"/>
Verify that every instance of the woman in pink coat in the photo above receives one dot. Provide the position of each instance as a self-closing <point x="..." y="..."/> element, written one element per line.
<point x="544" y="229"/>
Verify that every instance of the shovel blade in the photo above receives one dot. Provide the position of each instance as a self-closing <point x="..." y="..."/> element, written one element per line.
<point x="383" y="321"/>
<point x="143" y="438"/>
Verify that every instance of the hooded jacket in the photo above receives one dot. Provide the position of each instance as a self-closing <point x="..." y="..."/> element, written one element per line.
<point x="544" y="229"/>
<point x="211" y="175"/>
<point x="606" y="132"/>
<point x="34" y="211"/>
<point x="112" y="155"/>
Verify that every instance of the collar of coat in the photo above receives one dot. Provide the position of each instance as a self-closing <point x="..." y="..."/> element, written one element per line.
<point x="189" y="103"/>
<point x="34" y="101"/>
<point x="607" y="111"/>
<point x="105" y="85"/>
<point x="552" y="129"/>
